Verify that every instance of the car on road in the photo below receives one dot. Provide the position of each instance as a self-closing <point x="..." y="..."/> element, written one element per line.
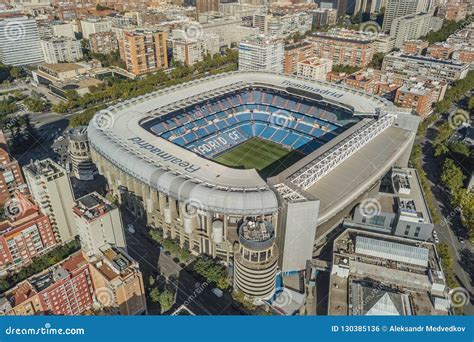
<point x="436" y="239"/>
<point x="130" y="228"/>
<point x="217" y="292"/>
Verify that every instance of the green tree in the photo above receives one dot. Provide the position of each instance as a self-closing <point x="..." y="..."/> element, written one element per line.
<point x="377" y="60"/>
<point x="155" y="295"/>
<point x="452" y="176"/>
<point x="166" y="300"/>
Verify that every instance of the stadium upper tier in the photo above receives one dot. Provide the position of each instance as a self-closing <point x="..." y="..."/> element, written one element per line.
<point x="216" y="125"/>
<point x="156" y="137"/>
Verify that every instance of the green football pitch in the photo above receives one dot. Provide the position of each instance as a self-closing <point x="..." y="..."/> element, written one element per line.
<point x="267" y="157"/>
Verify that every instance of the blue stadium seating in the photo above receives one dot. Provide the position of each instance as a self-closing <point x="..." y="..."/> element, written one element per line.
<point x="208" y="129"/>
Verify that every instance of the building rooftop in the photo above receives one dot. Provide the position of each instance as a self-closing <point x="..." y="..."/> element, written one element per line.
<point x="92" y="206"/>
<point x="378" y="274"/>
<point x="46" y="167"/>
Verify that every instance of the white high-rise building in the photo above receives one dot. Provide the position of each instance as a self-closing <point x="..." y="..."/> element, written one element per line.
<point x="51" y="189"/>
<point x="261" y="53"/>
<point x="412" y="26"/>
<point x="94" y="25"/>
<point x="58" y="50"/>
<point x="20" y="42"/>
<point x="191" y="50"/>
<point x="98" y="223"/>
<point x="398" y="8"/>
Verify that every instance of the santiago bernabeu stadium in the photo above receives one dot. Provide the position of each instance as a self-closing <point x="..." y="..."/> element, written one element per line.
<point x="176" y="159"/>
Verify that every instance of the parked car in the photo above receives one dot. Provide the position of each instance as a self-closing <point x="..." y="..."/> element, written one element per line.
<point x="461" y="240"/>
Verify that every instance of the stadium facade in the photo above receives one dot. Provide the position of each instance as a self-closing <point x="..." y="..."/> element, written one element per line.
<point x="157" y="152"/>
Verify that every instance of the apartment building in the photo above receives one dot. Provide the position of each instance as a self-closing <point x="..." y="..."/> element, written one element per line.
<point x="50" y="188"/>
<point x="464" y="54"/>
<point x="103" y="42"/>
<point x="420" y="96"/>
<point x="441" y="51"/>
<point x="432" y="68"/>
<point x="413" y="26"/>
<point x="110" y="282"/>
<point x="98" y="222"/>
<point x="453" y="10"/>
<point x="94" y="25"/>
<point x="294" y="53"/>
<point x="343" y="50"/>
<point x="417" y="97"/>
<point x="398" y="8"/>
<point x="315" y="68"/>
<point x="11" y="178"/>
<point x="25" y="233"/>
<point x="207" y="6"/>
<point x="20" y="42"/>
<point x="191" y="50"/>
<point x="324" y="17"/>
<point x="230" y="30"/>
<point x="63" y="289"/>
<point x="415" y="47"/>
<point x="115" y="273"/>
<point x="144" y="51"/>
<point x="58" y="50"/>
<point x="283" y="26"/>
<point x="261" y="53"/>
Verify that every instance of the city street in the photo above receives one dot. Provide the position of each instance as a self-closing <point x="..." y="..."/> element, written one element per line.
<point x="195" y="293"/>
<point x="450" y="229"/>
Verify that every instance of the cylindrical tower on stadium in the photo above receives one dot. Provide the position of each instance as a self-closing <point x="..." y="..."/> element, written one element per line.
<point x="79" y="151"/>
<point x="255" y="259"/>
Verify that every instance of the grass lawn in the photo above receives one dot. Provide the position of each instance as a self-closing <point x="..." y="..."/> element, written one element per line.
<point x="265" y="156"/>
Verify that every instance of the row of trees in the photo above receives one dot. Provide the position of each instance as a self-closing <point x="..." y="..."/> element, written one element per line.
<point x="39" y="264"/>
<point x="448" y="28"/>
<point x="119" y="89"/>
<point x="170" y="245"/>
<point x="212" y="271"/>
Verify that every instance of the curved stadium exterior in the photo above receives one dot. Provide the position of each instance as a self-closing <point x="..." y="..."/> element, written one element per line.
<point x="157" y="152"/>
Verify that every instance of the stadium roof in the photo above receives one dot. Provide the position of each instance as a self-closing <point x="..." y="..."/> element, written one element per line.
<point x="392" y="251"/>
<point x="118" y="135"/>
